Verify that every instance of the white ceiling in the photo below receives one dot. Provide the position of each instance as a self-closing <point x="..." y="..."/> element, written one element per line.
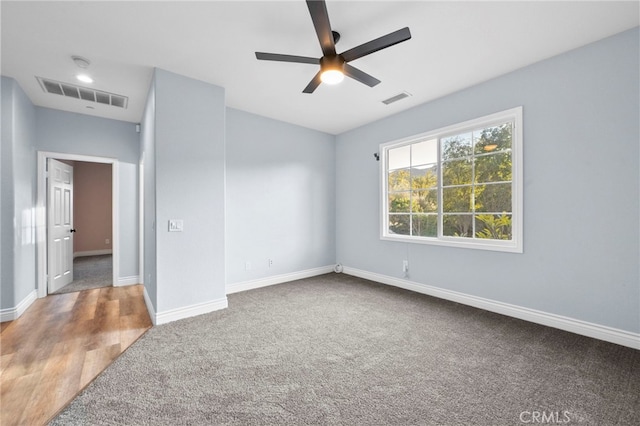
<point x="454" y="45"/>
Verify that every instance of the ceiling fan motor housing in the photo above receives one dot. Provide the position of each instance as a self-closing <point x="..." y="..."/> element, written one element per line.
<point x="332" y="63"/>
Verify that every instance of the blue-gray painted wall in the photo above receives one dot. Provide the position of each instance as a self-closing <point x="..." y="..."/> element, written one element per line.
<point x="18" y="195"/>
<point x="189" y="185"/>
<point x="581" y="188"/>
<point x="280" y="197"/>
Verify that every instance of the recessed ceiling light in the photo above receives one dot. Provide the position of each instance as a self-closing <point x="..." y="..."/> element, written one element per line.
<point x="84" y="78"/>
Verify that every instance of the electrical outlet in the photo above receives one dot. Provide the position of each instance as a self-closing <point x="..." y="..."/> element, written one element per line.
<point x="270" y="263"/>
<point x="106" y="241"/>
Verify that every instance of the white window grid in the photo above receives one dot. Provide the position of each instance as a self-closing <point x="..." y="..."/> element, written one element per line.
<point x="512" y="116"/>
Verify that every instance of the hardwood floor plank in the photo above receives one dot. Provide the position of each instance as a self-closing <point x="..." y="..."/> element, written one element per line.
<point x="14" y="393"/>
<point x="5" y="360"/>
<point x="96" y="361"/>
<point x="60" y="344"/>
<point x="86" y="302"/>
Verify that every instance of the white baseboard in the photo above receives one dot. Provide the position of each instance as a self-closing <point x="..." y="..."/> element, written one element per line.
<point x="277" y="279"/>
<point x="150" y="309"/>
<point x="596" y="331"/>
<point x="10" y="314"/>
<point x="92" y="253"/>
<point x="190" y="311"/>
<point x="132" y="280"/>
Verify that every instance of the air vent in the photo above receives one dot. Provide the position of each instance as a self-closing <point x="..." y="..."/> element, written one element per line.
<point x="396" y="98"/>
<point x="83" y="93"/>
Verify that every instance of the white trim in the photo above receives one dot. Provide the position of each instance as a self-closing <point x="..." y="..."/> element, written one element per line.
<point x="190" y="311"/>
<point x="91" y="253"/>
<point x="115" y="219"/>
<point x="41" y="212"/>
<point x="141" y="219"/>
<point x="596" y="331"/>
<point x="10" y="314"/>
<point x="124" y="281"/>
<point x="278" y="279"/>
<point x="147" y="301"/>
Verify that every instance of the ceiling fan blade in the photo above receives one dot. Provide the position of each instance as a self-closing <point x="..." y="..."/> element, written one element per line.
<point x="378" y="44"/>
<point x="361" y="76"/>
<point x="313" y="84"/>
<point x="320" y="18"/>
<point x="286" y="58"/>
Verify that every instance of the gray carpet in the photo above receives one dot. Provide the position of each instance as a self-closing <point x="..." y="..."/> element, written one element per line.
<point x="90" y="272"/>
<point x="340" y="350"/>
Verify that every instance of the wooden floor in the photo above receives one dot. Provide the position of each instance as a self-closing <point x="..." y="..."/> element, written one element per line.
<point x="60" y="344"/>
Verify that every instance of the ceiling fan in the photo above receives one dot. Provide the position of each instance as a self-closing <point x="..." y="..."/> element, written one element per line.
<point x="334" y="66"/>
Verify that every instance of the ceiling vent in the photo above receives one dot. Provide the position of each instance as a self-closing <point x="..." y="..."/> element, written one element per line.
<point x="396" y="98"/>
<point x="83" y="93"/>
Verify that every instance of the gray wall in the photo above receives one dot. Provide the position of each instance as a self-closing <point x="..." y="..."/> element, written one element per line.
<point x="17" y="190"/>
<point x="581" y="186"/>
<point x="189" y="166"/>
<point x="71" y="133"/>
<point x="280" y="197"/>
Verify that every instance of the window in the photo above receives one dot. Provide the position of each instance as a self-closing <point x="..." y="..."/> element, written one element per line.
<point x="456" y="186"/>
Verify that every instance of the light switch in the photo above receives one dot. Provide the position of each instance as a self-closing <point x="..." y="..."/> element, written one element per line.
<point x="176" y="225"/>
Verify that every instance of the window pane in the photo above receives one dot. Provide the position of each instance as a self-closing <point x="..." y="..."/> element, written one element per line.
<point x="424" y="225"/>
<point x="425" y="201"/>
<point x="493" y="139"/>
<point x="495" y="227"/>
<point x="456" y="172"/>
<point x="424" y="177"/>
<point x="493" y="198"/>
<point x="457" y="226"/>
<point x="399" y="180"/>
<point x="424" y="152"/>
<point x="456" y="199"/>
<point x="493" y="167"/>
<point x="399" y="224"/>
<point x="456" y="146"/>
<point x="399" y="202"/>
<point x="399" y="158"/>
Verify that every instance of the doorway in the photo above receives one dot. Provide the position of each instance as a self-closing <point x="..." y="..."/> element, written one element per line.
<point x="41" y="214"/>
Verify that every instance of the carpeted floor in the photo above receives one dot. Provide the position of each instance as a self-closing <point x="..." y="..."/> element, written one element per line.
<point x="340" y="350"/>
<point x="90" y="272"/>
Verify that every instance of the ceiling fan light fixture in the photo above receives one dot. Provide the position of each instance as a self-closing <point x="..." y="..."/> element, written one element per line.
<point x="332" y="76"/>
<point x="332" y="69"/>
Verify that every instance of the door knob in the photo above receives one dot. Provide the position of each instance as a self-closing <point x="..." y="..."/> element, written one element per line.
<point x="72" y="230"/>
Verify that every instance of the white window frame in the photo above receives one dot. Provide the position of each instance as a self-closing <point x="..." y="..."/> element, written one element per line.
<point x="515" y="245"/>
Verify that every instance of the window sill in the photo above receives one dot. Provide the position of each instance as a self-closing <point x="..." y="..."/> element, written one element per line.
<point x="467" y="243"/>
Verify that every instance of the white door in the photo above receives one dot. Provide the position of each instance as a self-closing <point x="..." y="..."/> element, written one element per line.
<point x="59" y="225"/>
